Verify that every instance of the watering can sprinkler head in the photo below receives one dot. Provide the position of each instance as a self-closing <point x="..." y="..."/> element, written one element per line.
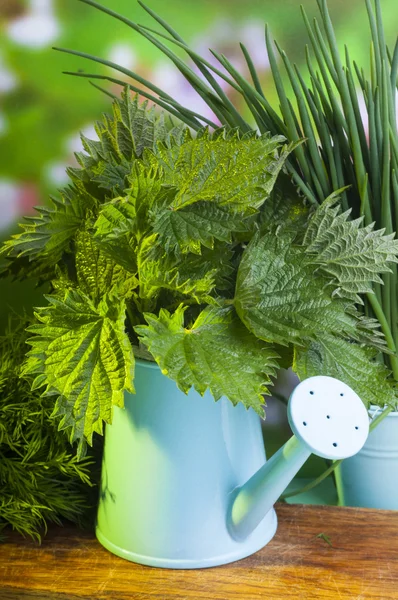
<point x="328" y="419"/>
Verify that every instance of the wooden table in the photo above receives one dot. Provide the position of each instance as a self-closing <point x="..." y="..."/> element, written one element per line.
<point x="361" y="564"/>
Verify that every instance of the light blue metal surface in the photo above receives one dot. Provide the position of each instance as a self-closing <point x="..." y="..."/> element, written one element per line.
<point x="184" y="481"/>
<point x="327" y="418"/>
<point x="370" y="479"/>
<point x="171" y="462"/>
<point x="265" y="487"/>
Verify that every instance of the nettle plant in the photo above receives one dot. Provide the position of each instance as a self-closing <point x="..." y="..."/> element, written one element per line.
<point x="347" y="144"/>
<point x="194" y="251"/>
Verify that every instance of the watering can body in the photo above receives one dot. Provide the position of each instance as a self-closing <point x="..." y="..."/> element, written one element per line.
<point x="170" y="463"/>
<point x="185" y="482"/>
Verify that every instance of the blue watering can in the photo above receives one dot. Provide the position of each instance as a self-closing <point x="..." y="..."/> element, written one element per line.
<point x="185" y="482"/>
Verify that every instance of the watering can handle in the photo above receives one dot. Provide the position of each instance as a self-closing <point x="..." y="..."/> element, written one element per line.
<point x="328" y="419"/>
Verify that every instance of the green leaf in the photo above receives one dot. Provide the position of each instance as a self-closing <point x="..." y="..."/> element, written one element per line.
<point x="184" y="276"/>
<point x="86" y="358"/>
<point x="48" y="235"/>
<point x="216" y="353"/>
<point x="279" y="297"/>
<point x="137" y="127"/>
<point x="231" y="170"/>
<point x="197" y="225"/>
<point x="284" y="209"/>
<point x="97" y="274"/>
<point x="132" y="128"/>
<point x="107" y="163"/>
<point x="123" y="221"/>
<point x="113" y="232"/>
<point x="352" y="255"/>
<point x="109" y="175"/>
<point x="352" y="363"/>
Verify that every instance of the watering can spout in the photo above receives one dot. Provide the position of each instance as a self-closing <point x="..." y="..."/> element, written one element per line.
<point x="328" y="419"/>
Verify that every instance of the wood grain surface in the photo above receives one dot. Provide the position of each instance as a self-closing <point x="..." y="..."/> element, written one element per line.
<point x="361" y="564"/>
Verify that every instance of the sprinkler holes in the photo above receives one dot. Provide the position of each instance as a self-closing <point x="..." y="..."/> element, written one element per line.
<point x="328" y="416"/>
<point x="356" y="427"/>
<point x="335" y="444"/>
<point x="305" y="423"/>
<point x="312" y="393"/>
<point x="341" y="394"/>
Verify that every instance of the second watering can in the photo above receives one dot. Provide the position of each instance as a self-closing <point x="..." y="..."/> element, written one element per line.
<point x="185" y="482"/>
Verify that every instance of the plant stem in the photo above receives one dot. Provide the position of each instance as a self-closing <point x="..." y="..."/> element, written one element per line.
<point x="314" y="482"/>
<point x="338" y="481"/>
<point x="379" y="313"/>
<point x="280" y="397"/>
<point x="132" y="320"/>
<point x="380" y="417"/>
<point x="336" y="463"/>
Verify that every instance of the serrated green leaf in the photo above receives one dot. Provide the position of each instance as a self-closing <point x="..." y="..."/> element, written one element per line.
<point x="352" y="255"/>
<point x="86" y="357"/>
<point x="197" y="225"/>
<point x="48" y="235"/>
<point x="142" y="127"/>
<point x="231" y="170"/>
<point x="183" y="276"/>
<point x="280" y="298"/>
<point x="97" y="274"/>
<point x="284" y="209"/>
<point x="107" y="164"/>
<point x="124" y="221"/>
<point x="132" y="211"/>
<point x="216" y="353"/>
<point x="352" y="363"/>
<point x="110" y="175"/>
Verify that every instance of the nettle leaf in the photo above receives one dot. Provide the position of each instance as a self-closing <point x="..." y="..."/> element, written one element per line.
<point x="137" y="127"/>
<point x="131" y="128"/>
<point x="146" y="194"/>
<point x="97" y="274"/>
<point x="123" y="221"/>
<point x="122" y="251"/>
<point x="110" y="175"/>
<point x="352" y="363"/>
<point x="218" y="260"/>
<point x="284" y="209"/>
<point x="197" y="225"/>
<point x="234" y="171"/>
<point x="116" y="219"/>
<point x="122" y="140"/>
<point x="185" y="277"/>
<point x="352" y="255"/>
<point x="280" y="298"/>
<point x="48" y="235"/>
<point x="82" y="354"/>
<point x="216" y="353"/>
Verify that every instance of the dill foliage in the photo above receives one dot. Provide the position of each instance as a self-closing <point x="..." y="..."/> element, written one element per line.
<point x="41" y="480"/>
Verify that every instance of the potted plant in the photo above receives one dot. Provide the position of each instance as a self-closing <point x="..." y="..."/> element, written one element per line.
<point x="190" y="259"/>
<point x="338" y="153"/>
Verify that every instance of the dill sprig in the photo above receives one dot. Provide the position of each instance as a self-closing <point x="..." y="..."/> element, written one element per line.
<point x="41" y="480"/>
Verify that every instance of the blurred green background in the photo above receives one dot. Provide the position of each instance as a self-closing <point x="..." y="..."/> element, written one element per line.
<point x="42" y="110"/>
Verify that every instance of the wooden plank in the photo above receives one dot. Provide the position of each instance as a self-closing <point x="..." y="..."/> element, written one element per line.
<point x="361" y="564"/>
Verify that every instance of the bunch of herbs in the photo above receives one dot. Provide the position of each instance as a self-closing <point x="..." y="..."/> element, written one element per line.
<point x="324" y="107"/>
<point x="197" y="252"/>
